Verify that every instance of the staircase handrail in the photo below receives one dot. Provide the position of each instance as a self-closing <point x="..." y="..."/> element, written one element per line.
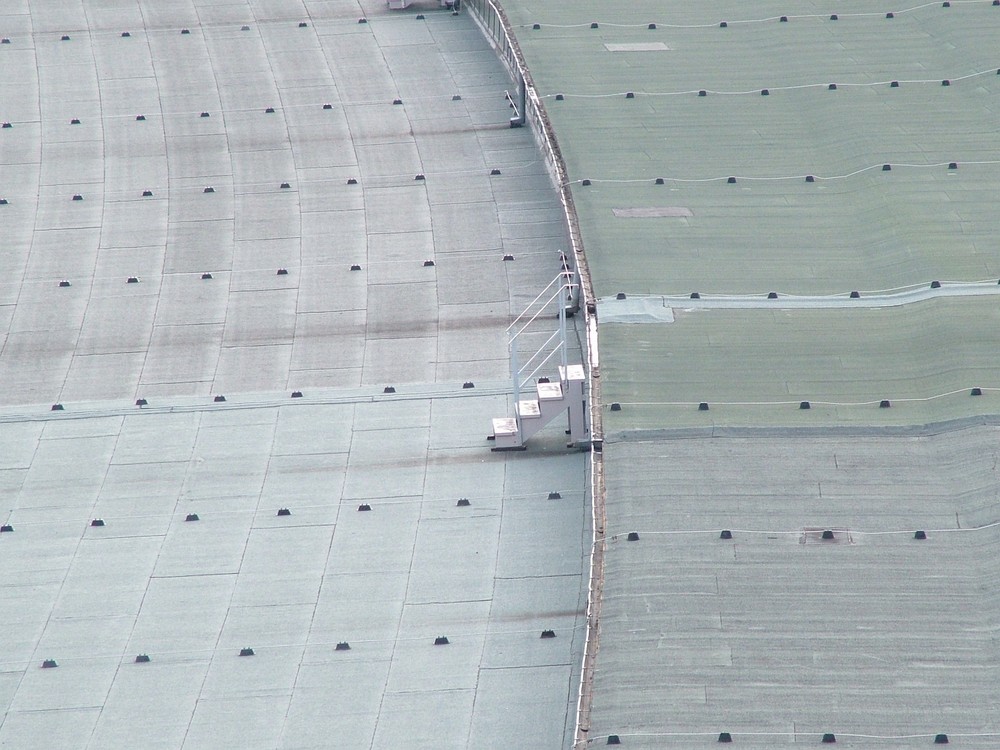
<point x="531" y="359"/>
<point x="542" y="363"/>
<point x="557" y="294"/>
<point x="531" y="304"/>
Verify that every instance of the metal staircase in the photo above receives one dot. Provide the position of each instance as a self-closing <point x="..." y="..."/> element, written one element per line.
<point x="549" y="397"/>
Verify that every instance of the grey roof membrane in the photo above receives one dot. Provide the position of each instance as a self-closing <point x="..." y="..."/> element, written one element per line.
<point x="778" y="636"/>
<point x="735" y="149"/>
<point x="158" y="529"/>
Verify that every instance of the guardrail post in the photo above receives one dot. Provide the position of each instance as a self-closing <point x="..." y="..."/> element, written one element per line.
<point x="489" y="18"/>
<point x="522" y="114"/>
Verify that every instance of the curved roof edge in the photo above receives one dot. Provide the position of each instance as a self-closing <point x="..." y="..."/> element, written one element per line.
<point x="498" y="30"/>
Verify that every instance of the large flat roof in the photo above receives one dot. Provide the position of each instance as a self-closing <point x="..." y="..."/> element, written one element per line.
<point x="689" y="132"/>
<point x="903" y="185"/>
<point x="778" y="636"/>
<point x="213" y="361"/>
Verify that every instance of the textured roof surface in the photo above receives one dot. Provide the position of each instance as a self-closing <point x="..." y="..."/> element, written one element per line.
<point x="158" y="528"/>
<point x="903" y="192"/>
<point x="776" y="635"/>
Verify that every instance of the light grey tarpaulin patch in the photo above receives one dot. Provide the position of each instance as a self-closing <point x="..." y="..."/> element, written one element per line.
<point x="652" y="212"/>
<point x="637" y="47"/>
<point x="634" y="310"/>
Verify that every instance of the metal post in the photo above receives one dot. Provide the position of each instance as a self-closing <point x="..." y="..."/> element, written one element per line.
<point x="515" y="366"/>
<point x="521" y="118"/>
<point x="562" y="328"/>
<point x="522" y="95"/>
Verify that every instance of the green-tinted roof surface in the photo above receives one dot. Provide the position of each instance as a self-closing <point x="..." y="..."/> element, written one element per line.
<point x="761" y="578"/>
<point x="903" y="190"/>
<point x="754" y="367"/>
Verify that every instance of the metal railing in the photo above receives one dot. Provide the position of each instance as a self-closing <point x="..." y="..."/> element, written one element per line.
<point x="493" y="22"/>
<point x="559" y="290"/>
<point x="497" y="29"/>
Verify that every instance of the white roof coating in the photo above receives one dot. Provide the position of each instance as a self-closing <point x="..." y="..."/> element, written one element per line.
<point x="218" y="362"/>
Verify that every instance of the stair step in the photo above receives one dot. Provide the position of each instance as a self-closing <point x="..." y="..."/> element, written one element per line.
<point x="549" y="391"/>
<point x="573" y="372"/>
<point x="528" y="409"/>
<point x="504" y="426"/>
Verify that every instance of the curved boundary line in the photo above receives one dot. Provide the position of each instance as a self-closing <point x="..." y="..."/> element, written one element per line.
<point x="746" y="21"/>
<point x="499" y="32"/>
<point x="778" y="178"/>
<point x="796" y="735"/>
<point x="798" y="532"/>
<point x="619" y="311"/>
<point x="758" y="91"/>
